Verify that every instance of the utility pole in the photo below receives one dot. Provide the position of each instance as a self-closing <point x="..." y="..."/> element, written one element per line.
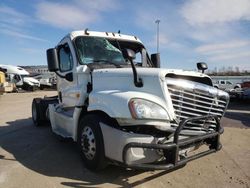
<point x="158" y="24"/>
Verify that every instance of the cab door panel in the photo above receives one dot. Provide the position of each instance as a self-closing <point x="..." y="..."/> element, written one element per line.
<point x="67" y="64"/>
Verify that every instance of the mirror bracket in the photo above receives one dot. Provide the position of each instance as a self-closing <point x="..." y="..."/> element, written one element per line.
<point x="68" y="76"/>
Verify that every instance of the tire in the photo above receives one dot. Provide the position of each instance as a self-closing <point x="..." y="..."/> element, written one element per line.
<point x="90" y="142"/>
<point x="31" y="88"/>
<point x="36" y="112"/>
<point x="25" y="86"/>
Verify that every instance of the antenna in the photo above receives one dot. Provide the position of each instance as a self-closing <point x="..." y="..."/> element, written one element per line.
<point x="157" y="22"/>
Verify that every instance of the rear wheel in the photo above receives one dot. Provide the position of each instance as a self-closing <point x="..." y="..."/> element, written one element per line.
<point x="90" y="142"/>
<point x="36" y="116"/>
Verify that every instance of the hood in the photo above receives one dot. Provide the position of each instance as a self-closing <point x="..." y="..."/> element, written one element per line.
<point x="30" y="79"/>
<point x="122" y="78"/>
<point x="119" y="82"/>
<point x="149" y="72"/>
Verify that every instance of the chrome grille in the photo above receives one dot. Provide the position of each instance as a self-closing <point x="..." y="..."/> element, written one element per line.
<point x="192" y="99"/>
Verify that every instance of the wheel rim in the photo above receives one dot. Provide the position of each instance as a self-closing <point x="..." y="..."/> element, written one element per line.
<point x="88" y="143"/>
<point x="34" y="113"/>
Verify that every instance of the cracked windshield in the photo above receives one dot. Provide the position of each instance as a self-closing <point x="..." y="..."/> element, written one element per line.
<point x="97" y="50"/>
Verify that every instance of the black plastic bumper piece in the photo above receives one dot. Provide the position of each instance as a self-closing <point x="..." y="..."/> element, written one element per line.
<point x="171" y="150"/>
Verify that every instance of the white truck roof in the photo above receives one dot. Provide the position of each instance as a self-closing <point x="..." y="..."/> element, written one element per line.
<point x="110" y="35"/>
<point x="11" y="69"/>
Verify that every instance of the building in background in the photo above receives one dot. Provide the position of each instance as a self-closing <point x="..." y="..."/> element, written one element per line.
<point x="39" y="69"/>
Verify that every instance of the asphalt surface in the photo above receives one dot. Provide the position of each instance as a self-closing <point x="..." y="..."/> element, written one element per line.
<point x="34" y="157"/>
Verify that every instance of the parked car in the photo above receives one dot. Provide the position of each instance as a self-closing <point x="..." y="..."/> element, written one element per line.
<point x="46" y="80"/>
<point x="226" y="85"/>
<point x="246" y="93"/>
<point x="245" y="84"/>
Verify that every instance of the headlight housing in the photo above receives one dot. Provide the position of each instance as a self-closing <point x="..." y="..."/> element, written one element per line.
<point x="144" y="109"/>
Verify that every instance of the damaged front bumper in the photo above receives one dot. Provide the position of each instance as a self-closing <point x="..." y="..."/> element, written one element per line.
<point x="172" y="151"/>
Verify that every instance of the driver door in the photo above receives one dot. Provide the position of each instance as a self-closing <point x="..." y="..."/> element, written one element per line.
<point x="65" y="87"/>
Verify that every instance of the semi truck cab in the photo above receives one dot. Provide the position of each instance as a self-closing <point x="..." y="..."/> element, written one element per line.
<point x="120" y="107"/>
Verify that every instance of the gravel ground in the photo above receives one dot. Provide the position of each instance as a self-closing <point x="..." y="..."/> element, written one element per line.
<point x="33" y="157"/>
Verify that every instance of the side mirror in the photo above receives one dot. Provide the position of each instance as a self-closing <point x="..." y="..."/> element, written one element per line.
<point x="155" y="58"/>
<point x="52" y="60"/>
<point x="202" y="66"/>
<point x="128" y="54"/>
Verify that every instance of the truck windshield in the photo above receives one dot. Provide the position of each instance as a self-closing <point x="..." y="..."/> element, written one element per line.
<point x="106" y="51"/>
<point x="98" y="50"/>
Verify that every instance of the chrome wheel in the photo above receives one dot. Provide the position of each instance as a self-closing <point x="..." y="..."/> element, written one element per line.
<point x="88" y="143"/>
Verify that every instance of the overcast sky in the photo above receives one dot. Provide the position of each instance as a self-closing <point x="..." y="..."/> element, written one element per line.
<point x="212" y="31"/>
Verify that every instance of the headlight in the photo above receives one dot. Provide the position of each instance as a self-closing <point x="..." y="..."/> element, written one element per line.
<point x="144" y="109"/>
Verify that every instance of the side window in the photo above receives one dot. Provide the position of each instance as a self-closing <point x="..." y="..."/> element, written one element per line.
<point x="229" y="83"/>
<point x="138" y="59"/>
<point x="222" y="82"/>
<point x="65" y="59"/>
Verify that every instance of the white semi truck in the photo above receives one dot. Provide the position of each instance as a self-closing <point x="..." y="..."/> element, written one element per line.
<point x="20" y="77"/>
<point x="121" y="108"/>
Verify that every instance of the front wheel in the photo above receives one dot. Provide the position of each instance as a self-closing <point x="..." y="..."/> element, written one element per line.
<point x="90" y="142"/>
<point x="35" y="109"/>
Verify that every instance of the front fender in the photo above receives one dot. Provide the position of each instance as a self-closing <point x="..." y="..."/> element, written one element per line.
<point x="115" y="103"/>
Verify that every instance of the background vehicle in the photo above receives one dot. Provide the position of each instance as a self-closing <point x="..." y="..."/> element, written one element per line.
<point x="245" y="84"/>
<point x="20" y="77"/>
<point x="129" y="113"/>
<point x="46" y="80"/>
<point x="226" y="85"/>
<point x="5" y="86"/>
